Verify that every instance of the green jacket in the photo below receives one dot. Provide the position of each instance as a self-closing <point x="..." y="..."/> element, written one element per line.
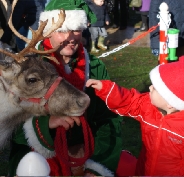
<point x="105" y="125"/>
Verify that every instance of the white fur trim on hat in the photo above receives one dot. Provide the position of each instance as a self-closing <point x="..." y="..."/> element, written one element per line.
<point x="164" y="91"/>
<point x="74" y="20"/>
<point x="99" y="168"/>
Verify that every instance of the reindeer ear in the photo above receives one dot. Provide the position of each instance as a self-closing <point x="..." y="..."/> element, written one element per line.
<point x="4" y="64"/>
<point x="9" y="67"/>
<point x="9" y="59"/>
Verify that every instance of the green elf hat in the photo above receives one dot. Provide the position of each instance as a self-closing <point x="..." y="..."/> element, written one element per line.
<point x="78" y="14"/>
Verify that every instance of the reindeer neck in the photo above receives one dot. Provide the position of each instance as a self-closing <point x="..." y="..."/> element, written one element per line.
<point x="7" y="108"/>
<point x="11" y="115"/>
<point x="8" y="101"/>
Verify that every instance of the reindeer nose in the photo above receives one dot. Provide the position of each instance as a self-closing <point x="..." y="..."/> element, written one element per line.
<point x="83" y="102"/>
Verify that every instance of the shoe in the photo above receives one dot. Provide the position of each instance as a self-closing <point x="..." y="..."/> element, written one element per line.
<point x="101" y="43"/>
<point x="102" y="46"/>
<point x="93" y="48"/>
<point x="141" y="30"/>
<point x="143" y="27"/>
<point x="114" y="26"/>
<point x="155" y="52"/>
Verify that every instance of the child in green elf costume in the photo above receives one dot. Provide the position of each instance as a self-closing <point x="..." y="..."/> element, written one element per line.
<point x="70" y="150"/>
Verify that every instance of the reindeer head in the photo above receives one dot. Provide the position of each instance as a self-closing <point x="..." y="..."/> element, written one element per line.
<point x="27" y="79"/>
<point x="30" y="86"/>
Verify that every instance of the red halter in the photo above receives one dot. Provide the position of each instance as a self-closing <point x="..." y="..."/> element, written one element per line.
<point x="45" y="98"/>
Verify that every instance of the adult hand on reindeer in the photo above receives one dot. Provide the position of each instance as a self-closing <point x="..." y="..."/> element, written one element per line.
<point x="65" y="121"/>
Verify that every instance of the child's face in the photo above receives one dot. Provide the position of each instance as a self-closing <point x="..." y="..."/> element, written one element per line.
<point x="99" y="2"/>
<point x="156" y="99"/>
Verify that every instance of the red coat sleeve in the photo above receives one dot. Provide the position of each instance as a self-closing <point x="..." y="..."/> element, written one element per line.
<point x="123" y="101"/>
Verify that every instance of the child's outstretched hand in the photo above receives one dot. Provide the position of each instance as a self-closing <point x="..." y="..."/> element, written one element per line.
<point x="97" y="84"/>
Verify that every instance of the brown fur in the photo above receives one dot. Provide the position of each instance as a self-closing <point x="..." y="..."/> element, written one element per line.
<point x="32" y="79"/>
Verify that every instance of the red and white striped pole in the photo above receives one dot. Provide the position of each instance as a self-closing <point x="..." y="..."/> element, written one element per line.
<point x="164" y="18"/>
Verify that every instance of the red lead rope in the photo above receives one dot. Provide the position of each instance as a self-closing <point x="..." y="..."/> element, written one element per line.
<point x="61" y="148"/>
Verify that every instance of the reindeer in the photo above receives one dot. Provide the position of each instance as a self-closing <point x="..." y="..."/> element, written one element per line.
<point x="30" y="86"/>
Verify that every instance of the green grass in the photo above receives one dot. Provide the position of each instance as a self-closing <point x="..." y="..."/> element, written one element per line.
<point x="130" y="68"/>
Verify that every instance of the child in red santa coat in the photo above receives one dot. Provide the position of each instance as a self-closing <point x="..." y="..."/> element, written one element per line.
<point x="160" y="113"/>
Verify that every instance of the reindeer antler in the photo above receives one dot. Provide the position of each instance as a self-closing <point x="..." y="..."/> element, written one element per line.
<point x="37" y="34"/>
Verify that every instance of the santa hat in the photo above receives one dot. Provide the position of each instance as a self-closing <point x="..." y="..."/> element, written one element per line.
<point x="168" y="80"/>
<point x="78" y="14"/>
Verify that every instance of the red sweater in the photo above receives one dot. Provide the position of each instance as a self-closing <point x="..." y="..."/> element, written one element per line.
<point x="162" y="151"/>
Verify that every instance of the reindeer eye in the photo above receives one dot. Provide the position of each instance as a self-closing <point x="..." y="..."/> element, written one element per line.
<point x="32" y="80"/>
